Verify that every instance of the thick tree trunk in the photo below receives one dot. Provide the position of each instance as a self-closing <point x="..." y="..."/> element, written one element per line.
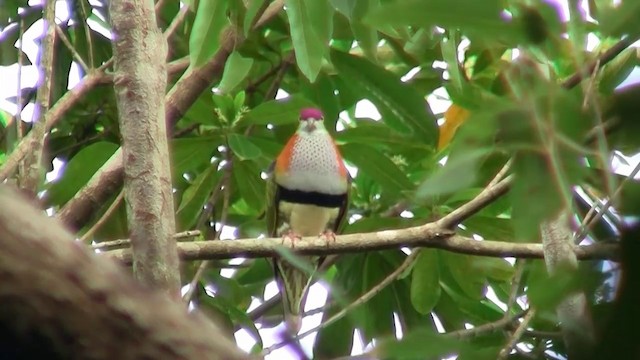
<point x="140" y="52"/>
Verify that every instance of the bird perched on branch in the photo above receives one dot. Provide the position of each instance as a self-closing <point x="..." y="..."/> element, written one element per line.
<point x="307" y="195"/>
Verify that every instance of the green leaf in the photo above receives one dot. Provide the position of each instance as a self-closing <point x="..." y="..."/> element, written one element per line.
<point x="425" y="281"/>
<point x="480" y="16"/>
<point x="307" y="45"/>
<point x="252" y="11"/>
<point x="79" y="170"/>
<point x="321" y="14"/>
<point x="466" y="276"/>
<point x="246" y="176"/>
<point x="335" y="340"/>
<point x="236" y="70"/>
<point x="276" y="112"/>
<point x="243" y="147"/>
<point x="378" y="166"/>
<point x="236" y="315"/>
<point x="621" y="20"/>
<point x="211" y="19"/>
<point x="456" y="174"/>
<point x="401" y="107"/>
<point x="419" y="344"/>
<point x="191" y="154"/>
<point x="618" y="70"/>
<point x="195" y="197"/>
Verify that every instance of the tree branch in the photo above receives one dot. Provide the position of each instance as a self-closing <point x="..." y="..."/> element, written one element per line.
<point x="428" y="235"/>
<point x="140" y="52"/>
<point x="32" y="173"/>
<point x="93" y="303"/>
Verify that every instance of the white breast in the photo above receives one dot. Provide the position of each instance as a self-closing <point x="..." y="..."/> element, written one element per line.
<point x="314" y="166"/>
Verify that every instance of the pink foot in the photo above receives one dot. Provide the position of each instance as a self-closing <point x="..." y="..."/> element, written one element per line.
<point x="329" y="237"/>
<point x="289" y="239"/>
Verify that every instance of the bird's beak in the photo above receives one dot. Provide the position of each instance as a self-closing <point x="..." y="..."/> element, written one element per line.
<point x="310" y="126"/>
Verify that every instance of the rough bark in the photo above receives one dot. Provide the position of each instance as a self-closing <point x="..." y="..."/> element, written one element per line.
<point x="573" y="312"/>
<point x="77" y="211"/>
<point x="61" y="301"/>
<point x="140" y="52"/>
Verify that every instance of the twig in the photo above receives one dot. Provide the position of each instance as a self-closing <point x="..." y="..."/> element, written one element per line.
<point x="182" y="14"/>
<point x="51" y="117"/>
<point x="73" y="50"/>
<point x="501" y="174"/>
<point x="359" y="301"/>
<point x="104" y="217"/>
<point x="486" y="196"/>
<point x="87" y="31"/>
<point x="32" y="176"/>
<point x="592" y="217"/>
<point x="607" y="56"/>
<point x="502" y="323"/>
<point x="517" y="334"/>
<point x="181" y="236"/>
<point x="223" y="220"/>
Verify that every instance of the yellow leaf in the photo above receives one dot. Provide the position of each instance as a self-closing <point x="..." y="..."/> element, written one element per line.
<point x="453" y="118"/>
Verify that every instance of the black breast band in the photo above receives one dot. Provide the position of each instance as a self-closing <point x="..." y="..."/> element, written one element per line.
<point x="311" y="197"/>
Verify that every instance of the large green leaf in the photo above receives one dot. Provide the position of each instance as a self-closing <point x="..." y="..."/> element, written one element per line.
<point x="307" y="43"/>
<point x="191" y="154"/>
<point x="455" y="175"/>
<point x="79" y="170"/>
<point x="425" y="281"/>
<point x="275" y="112"/>
<point x="246" y="176"/>
<point x="481" y="16"/>
<point x="211" y="19"/>
<point x="378" y="166"/>
<point x="243" y="147"/>
<point x="236" y="70"/>
<point x="401" y="107"/>
<point x="195" y="197"/>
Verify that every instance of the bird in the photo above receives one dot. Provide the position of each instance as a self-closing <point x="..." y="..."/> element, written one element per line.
<point x="307" y="195"/>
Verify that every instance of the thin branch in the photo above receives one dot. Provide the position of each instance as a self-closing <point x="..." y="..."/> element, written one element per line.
<point x="103" y="218"/>
<point x="51" y="117"/>
<point x="607" y="56"/>
<point x="517" y="334"/>
<point x="359" y="301"/>
<point x="206" y="213"/>
<point x="499" y="324"/>
<point x="33" y="174"/>
<point x="74" y="52"/>
<point x="429" y="236"/>
<point x="182" y="14"/>
<point x="106" y="245"/>
<point x="486" y="196"/>
<point x="592" y="217"/>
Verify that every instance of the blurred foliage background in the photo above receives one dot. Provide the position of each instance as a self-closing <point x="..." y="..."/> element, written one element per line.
<point x="383" y="72"/>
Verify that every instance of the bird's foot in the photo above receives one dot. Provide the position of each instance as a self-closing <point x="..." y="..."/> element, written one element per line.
<point x="289" y="239"/>
<point x="329" y="237"/>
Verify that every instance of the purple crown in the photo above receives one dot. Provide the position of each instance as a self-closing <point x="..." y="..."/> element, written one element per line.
<point x="310" y="113"/>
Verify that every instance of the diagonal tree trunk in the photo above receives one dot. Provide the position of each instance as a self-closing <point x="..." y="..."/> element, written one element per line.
<point x="58" y="300"/>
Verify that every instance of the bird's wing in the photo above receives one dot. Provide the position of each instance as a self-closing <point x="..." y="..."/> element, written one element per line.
<point x="271" y="204"/>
